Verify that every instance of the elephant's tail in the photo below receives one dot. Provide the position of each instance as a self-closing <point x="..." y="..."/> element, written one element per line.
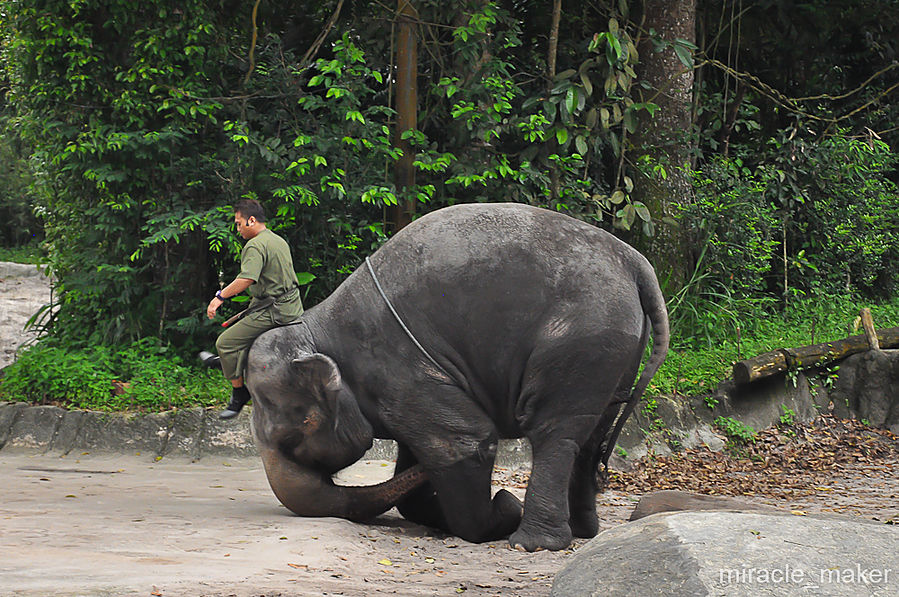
<point x="653" y="303"/>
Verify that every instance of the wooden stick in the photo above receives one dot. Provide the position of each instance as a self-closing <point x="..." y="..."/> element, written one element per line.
<point x="870" y="333"/>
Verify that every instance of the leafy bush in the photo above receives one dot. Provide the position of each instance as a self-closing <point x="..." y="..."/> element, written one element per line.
<point x="737" y="432"/>
<point x="144" y="376"/>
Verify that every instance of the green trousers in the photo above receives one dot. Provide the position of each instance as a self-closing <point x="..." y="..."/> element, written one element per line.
<point x="234" y="343"/>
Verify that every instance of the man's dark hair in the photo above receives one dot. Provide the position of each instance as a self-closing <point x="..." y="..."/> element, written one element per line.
<point x="250" y="208"/>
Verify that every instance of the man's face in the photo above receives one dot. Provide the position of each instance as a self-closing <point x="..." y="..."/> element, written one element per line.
<point x="245" y="226"/>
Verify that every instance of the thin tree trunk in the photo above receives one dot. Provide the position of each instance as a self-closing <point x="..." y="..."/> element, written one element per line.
<point x="406" y="109"/>
<point x="555" y="183"/>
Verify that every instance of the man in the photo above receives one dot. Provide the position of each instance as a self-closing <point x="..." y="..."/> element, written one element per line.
<point x="266" y="270"/>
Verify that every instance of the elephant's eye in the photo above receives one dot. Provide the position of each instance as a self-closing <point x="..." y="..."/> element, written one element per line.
<point x="312" y="421"/>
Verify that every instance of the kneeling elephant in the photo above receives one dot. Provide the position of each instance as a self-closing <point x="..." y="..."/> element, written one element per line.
<point x="474" y="323"/>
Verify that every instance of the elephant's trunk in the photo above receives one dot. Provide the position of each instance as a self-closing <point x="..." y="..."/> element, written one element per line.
<point x="306" y="492"/>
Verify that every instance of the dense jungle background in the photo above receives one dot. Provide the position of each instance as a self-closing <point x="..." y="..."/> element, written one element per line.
<point x="746" y="147"/>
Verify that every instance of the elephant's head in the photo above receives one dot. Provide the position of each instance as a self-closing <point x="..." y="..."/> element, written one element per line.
<point x="308" y="426"/>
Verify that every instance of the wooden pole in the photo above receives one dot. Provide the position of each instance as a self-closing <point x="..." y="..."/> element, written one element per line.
<point x="868" y="325"/>
<point x="406" y="109"/>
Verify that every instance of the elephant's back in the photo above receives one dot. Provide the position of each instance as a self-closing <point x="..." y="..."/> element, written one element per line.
<point x="510" y="246"/>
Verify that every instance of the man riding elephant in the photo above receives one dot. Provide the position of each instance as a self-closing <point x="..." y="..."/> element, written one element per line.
<point x="266" y="272"/>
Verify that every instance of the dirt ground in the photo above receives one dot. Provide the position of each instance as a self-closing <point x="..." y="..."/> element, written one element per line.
<point x="125" y="525"/>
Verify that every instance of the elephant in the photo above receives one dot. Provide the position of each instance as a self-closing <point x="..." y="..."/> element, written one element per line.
<point x="475" y="322"/>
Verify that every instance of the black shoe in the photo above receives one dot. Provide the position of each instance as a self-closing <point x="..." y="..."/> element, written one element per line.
<point x="239" y="397"/>
<point x="210" y="360"/>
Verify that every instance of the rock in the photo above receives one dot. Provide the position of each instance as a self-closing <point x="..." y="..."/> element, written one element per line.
<point x="736" y="554"/>
<point x="227" y="438"/>
<point x="867" y="388"/>
<point x="9" y="412"/>
<point x="672" y="500"/>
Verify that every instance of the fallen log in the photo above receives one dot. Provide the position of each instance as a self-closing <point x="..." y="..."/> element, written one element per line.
<point x="815" y="355"/>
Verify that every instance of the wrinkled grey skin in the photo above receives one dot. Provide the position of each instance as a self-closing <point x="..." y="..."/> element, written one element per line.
<point x="539" y="322"/>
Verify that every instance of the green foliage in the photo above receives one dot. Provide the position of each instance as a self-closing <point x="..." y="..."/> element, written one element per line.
<point x="111" y="97"/>
<point x="738" y="434"/>
<point x="17" y="192"/>
<point x="815" y="218"/>
<point x="788" y="417"/>
<point x="144" y="376"/>
<point x="841" y="211"/>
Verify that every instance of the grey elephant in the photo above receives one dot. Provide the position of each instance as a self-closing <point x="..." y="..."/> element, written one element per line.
<point x="474" y="323"/>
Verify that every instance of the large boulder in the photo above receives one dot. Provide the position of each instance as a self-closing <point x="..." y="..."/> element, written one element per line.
<point x="673" y="500"/>
<point x="867" y="388"/>
<point x="736" y="554"/>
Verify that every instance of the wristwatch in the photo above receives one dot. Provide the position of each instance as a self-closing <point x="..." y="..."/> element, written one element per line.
<point x="218" y="295"/>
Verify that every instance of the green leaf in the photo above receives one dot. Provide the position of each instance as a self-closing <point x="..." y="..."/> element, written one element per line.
<point x="561" y="135"/>
<point x="613" y="26"/>
<point x="581" y="144"/>
<point x="304" y="278"/>
<point x="592" y="117"/>
<point x="588" y="85"/>
<point x="571" y="100"/>
<point x="684" y="55"/>
<point x="642" y="211"/>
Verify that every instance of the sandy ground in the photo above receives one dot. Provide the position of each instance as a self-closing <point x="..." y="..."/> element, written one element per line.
<point x="104" y="525"/>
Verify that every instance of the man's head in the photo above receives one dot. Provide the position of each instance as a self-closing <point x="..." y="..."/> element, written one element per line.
<point x="249" y="217"/>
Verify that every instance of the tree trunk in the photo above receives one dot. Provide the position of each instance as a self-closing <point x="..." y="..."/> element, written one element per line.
<point x="552" y="52"/>
<point x="666" y="137"/>
<point x="406" y="109"/>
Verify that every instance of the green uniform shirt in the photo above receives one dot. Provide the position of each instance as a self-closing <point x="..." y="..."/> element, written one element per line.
<point x="266" y="260"/>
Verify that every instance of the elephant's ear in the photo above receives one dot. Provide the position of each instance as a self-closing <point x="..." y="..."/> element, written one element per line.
<point x="318" y="373"/>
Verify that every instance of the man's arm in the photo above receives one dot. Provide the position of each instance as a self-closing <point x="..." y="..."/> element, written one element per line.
<point x="231" y="290"/>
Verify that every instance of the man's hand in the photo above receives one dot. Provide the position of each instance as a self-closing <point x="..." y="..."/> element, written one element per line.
<point x="214" y="304"/>
<point x="229" y="291"/>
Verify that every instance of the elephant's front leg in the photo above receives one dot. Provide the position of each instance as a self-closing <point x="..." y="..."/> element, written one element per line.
<point x="463" y="490"/>
<point x="421" y="506"/>
<point x="455" y="443"/>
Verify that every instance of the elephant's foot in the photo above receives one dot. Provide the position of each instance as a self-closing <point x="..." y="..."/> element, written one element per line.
<point x="525" y="539"/>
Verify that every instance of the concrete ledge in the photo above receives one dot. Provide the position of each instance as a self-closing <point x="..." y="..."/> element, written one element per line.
<point x="192" y="433"/>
